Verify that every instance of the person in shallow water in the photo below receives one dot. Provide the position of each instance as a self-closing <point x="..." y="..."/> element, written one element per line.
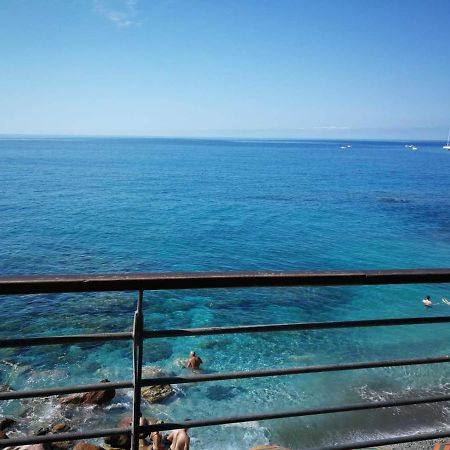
<point x="427" y="301"/>
<point x="179" y="439"/>
<point x="157" y="439"/>
<point x="194" y="361"/>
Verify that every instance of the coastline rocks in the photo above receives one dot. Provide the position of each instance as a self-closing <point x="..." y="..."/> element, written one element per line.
<point x="60" y="428"/>
<point x="6" y="422"/>
<point x="154" y="394"/>
<point x="86" y="446"/>
<point x="89" y="398"/>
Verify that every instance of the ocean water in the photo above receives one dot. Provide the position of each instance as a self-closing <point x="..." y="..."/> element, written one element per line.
<point x="77" y="205"/>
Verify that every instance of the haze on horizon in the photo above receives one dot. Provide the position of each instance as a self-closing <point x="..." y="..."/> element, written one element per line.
<point x="307" y="69"/>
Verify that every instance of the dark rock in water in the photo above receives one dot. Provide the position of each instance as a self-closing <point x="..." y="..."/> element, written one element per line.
<point x="6" y="423"/>
<point x="43" y="431"/>
<point x="87" y="446"/>
<point x="4" y="388"/>
<point x="3" y="435"/>
<point x="122" y="440"/>
<point x="89" y="398"/>
<point x="159" y="351"/>
<point x="154" y="394"/>
<point x="219" y="344"/>
<point x="221" y="392"/>
<point x="60" y="428"/>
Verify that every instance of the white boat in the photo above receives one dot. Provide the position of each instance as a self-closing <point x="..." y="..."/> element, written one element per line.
<point x="447" y="147"/>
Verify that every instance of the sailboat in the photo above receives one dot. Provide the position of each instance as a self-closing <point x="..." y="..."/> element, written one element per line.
<point x="447" y="147"/>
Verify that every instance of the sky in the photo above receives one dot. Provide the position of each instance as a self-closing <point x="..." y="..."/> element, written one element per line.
<point x="226" y="68"/>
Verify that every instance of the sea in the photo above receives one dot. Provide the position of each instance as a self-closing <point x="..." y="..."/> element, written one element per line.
<point x="127" y="205"/>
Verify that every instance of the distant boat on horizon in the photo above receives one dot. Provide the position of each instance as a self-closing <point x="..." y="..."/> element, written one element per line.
<point x="447" y="147"/>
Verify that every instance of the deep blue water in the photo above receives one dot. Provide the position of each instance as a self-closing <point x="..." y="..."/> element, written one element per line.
<point x="142" y="205"/>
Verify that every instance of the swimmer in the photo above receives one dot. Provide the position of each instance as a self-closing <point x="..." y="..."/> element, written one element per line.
<point x="427" y="301"/>
<point x="194" y="361"/>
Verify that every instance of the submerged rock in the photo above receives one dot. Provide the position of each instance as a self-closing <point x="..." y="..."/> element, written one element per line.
<point x="89" y="398"/>
<point x="154" y="394"/>
<point x="59" y="428"/>
<point x="6" y="422"/>
<point x="160" y="351"/>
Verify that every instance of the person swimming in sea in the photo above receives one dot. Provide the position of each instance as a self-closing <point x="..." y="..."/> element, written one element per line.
<point x="427" y="301"/>
<point x="194" y="361"/>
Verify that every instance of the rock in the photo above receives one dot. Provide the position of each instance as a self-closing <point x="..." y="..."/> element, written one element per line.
<point x="60" y="428"/>
<point x="4" y="388"/>
<point x="43" y="431"/>
<point x="160" y="351"/>
<point x="6" y="422"/>
<point x="86" y="446"/>
<point x="153" y="371"/>
<point x="3" y="435"/>
<point x="89" y="398"/>
<point x="154" y="394"/>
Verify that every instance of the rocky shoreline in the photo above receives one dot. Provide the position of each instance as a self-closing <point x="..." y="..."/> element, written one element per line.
<point x="151" y="394"/>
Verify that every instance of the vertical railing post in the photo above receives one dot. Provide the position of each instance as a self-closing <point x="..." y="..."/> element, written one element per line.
<point x="138" y="326"/>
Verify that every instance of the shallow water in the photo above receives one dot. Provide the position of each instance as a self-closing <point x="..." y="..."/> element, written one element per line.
<point x="142" y="205"/>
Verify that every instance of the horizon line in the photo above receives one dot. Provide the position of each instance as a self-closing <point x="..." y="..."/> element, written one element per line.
<point x="218" y="137"/>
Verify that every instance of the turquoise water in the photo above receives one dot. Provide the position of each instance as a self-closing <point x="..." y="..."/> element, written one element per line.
<point x="143" y="205"/>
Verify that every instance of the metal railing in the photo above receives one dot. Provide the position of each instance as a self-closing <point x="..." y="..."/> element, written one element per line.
<point x="173" y="281"/>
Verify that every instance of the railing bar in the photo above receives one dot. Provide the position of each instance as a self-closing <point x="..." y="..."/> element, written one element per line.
<point x="296" y="413"/>
<point x="63" y="437"/>
<point x="227" y="420"/>
<point x="63" y="340"/>
<point x="198" y="378"/>
<point x="17" y="395"/>
<point x="12" y="395"/>
<point x="387" y="441"/>
<point x="206" y="280"/>
<point x="70" y="339"/>
<point x="247" y="418"/>
<point x="294" y="327"/>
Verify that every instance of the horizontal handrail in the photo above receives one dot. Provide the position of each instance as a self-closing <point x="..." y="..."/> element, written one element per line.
<point x="296" y="413"/>
<point x="60" y="437"/>
<point x="65" y="340"/>
<point x="387" y="441"/>
<point x="206" y="280"/>
<point x="227" y="420"/>
<point x="198" y="377"/>
<point x="155" y="334"/>
<point x="74" y="389"/>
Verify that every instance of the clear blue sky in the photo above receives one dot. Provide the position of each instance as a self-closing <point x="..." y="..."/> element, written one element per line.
<point x="254" y="68"/>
